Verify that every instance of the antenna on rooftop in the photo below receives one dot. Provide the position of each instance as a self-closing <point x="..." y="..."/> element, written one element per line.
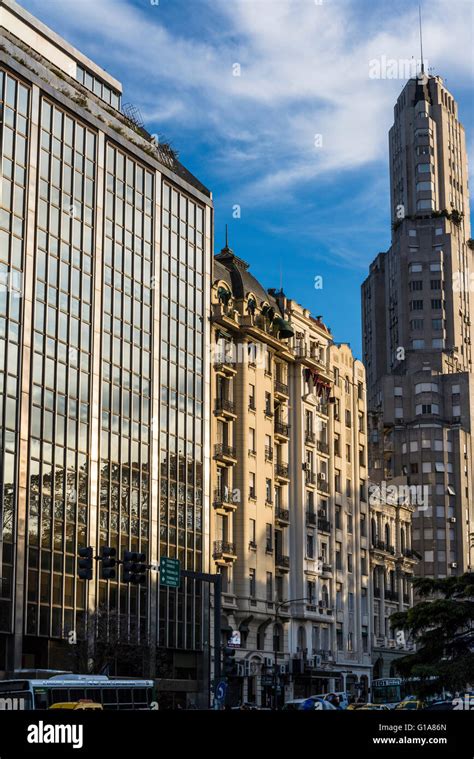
<point x="421" y="41"/>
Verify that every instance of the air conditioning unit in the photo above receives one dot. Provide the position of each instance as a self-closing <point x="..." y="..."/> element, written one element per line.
<point x="283" y="669"/>
<point x="454" y="565"/>
<point x="310" y="663"/>
<point x="318" y="661"/>
<point x="243" y="669"/>
<point x="322" y="475"/>
<point x="452" y="520"/>
<point x="268" y="661"/>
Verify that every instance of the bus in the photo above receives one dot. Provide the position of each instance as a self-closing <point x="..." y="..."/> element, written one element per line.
<point x="42" y="693"/>
<point x="386" y="690"/>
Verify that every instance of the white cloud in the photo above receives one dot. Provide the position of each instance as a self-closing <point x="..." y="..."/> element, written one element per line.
<point x="304" y="70"/>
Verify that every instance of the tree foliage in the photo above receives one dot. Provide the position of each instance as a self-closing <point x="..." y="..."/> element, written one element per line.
<point x="442" y="626"/>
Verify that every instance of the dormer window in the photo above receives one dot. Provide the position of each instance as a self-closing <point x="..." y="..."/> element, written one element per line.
<point x="223" y="295"/>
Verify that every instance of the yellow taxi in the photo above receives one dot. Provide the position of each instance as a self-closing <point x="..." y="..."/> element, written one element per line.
<point x="83" y="704"/>
<point x="411" y="704"/>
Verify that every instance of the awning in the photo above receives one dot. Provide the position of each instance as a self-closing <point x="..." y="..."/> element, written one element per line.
<point x="283" y="327"/>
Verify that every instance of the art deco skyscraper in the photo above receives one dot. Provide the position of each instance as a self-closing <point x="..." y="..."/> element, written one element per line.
<point x="417" y="306"/>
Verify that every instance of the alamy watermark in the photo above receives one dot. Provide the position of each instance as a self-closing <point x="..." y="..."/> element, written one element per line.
<point x="414" y="495"/>
<point x="398" y="68"/>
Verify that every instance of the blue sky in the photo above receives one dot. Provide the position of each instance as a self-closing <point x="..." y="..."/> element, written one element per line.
<point x="309" y="206"/>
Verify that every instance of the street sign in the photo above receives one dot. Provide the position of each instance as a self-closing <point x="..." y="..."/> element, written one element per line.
<point x="170" y="574"/>
<point x="221" y="689"/>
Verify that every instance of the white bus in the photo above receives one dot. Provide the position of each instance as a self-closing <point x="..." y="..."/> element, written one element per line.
<point x="387" y="691"/>
<point x="114" y="694"/>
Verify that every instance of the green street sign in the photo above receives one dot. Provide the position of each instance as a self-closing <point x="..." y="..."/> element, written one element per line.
<point x="170" y="572"/>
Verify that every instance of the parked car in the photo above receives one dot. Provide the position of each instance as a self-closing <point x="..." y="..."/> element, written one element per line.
<point x="443" y="705"/>
<point x="374" y="707"/>
<point x="341" y="695"/>
<point x="314" y="703"/>
<point x="293" y="705"/>
<point x="82" y="704"/>
<point x="411" y="704"/>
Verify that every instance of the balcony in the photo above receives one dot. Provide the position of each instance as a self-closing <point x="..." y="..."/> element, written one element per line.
<point x="309" y="437"/>
<point x="311" y="357"/>
<point x="391" y="595"/>
<point x="323" y="608"/>
<point x="409" y="553"/>
<point x="224" y="407"/>
<point x="282" y="471"/>
<point x="326" y="569"/>
<point x="224" y="552"/>
<point x="282" y="516"/>
<point x="380" y="545"/>
<point x="223" y="499"/>
<point x="268" y="412"/>
<point x="324" y="525"/>
<point x="268" y="453"/>
<point x="225" y="365"/>
<point x="311" y="518"/>
<point x="323" y="484"/>
<point x="281" y="389"/>
<point x="282" y="562"/>
<point x="225" y="453"/>
<point x="323" y="447"/>
<point x="282" y="429"/>
<point x="323" y="408"/>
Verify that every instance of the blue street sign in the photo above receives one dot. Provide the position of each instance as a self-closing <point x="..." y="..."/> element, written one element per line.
<point x="221" y="689"/>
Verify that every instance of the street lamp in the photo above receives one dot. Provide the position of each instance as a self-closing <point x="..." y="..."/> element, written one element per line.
<point x="275" y="645"/>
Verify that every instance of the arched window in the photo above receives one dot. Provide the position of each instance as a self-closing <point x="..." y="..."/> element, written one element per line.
<point x="251" y="305"/>
<point x="223" y="295"/>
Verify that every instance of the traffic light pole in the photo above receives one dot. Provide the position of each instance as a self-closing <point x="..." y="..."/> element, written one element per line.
<point x="216" y="580"/>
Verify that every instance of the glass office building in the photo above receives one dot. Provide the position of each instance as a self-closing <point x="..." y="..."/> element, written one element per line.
<point x="105" y="257"/>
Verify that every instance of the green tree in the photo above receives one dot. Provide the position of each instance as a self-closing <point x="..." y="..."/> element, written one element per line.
<point x="442" y="626"/>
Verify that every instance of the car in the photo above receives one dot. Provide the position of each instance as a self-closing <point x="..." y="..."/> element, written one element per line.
<point x="443" y="705"/>
<point x="82" y="704"/>
<point x="341" y="695"/>
<point x="411" y="705"/>
<point x="293" y="705"/>
<point x="352" y="707"/>
<point x="314" y="703"/>
<point x="373" y="707"/>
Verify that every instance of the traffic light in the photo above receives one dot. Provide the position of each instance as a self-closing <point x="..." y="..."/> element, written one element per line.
<point x="134" y="568"/>
<point x="86" y="558"/>
<point x="108" y="562"/>
<point x="230" y="666"/>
